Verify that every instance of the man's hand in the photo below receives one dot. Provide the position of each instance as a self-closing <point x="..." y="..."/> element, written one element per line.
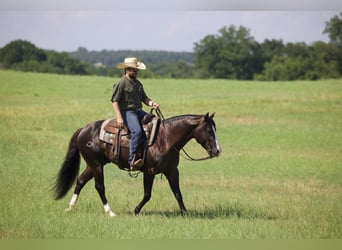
<point x="155" y="105"/>
<point x="120" y="123"/>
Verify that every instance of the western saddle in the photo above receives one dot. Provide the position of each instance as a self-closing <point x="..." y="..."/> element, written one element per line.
<point x="111" y="134"/>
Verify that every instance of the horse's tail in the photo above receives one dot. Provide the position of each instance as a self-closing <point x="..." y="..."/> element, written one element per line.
<point x="69" y="170"/>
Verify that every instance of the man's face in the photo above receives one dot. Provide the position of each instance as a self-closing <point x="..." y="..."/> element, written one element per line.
<point x="132" y="72"/>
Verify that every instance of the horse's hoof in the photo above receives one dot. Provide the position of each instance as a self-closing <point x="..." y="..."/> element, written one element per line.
<point x="112" y="214"/>
<point x="136" y="210"/>
<point x="184" y="213"/>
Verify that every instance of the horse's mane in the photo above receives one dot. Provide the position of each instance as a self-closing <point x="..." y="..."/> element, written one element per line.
<point x="182" y="117"/>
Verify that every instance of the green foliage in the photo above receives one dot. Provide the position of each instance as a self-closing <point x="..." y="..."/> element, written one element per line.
<point x="279" y="175"/>
<point x="325" y="60"/>
<point x="65" y="64"/>
<point x="299" y="62"/>
<point x="24" y="56"/>
<point x="334" y="29"/>
<point x="19" y="51"/>
<point x="234" y="54"/>
<point x="180" y="69"/>
<point x="227" y="55"/>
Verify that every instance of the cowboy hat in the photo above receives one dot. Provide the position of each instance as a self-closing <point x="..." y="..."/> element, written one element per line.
<point x="131" y="62"/>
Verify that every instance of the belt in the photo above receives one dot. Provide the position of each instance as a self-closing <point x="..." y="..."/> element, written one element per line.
<point x="131" y="109"/>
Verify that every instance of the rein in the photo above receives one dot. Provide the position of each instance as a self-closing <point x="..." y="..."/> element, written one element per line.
<point x="187" y="155"/>
<point x="189" y="158"/>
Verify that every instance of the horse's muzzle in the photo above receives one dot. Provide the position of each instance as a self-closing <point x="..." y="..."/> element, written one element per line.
<point x="214" y="152"/>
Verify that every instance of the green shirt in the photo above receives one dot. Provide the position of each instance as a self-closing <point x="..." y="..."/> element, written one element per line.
<point x="129" y="94"/>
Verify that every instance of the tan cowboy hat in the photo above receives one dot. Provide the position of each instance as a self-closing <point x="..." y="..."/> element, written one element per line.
<point x="131" y="62"/>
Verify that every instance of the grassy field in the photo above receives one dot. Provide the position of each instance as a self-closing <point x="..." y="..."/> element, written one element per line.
<point x="279" y="176"/>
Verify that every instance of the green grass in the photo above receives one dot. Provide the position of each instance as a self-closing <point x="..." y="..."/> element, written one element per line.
<point x="279" y="176"/>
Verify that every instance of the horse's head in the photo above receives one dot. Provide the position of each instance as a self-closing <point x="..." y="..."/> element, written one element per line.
<point x="205" y="134"/>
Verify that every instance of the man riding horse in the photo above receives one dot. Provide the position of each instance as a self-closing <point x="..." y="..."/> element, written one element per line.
<point x="161" y="157"/>
<point x="127" y="98"/>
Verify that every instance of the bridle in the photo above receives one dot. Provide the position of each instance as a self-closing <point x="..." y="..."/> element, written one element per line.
<point x="189" y="158"/>
<point x="187" y="155"/>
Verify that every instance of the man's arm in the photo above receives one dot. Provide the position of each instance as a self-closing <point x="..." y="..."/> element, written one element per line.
<point x="118" y="115"/>
<point x="151" y="103"/>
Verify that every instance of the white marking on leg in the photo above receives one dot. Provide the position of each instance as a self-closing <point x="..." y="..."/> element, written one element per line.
<point x="109" y="210"/>
<point x="72" y="202"/>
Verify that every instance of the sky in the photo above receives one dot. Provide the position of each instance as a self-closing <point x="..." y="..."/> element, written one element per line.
<point x="66" y="25"/>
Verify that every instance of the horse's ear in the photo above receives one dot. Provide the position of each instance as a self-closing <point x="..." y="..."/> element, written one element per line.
<point x="206" y="116"/>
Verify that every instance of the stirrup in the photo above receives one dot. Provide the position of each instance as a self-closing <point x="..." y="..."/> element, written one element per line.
<point x="136" y="165"/>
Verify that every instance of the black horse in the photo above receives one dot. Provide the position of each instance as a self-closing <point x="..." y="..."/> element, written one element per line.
<point x="161" y="157"/>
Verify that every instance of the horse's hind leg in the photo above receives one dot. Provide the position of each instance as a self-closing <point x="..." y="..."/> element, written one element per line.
<point x="81" y="181"/>
<point x="99" y="185"/>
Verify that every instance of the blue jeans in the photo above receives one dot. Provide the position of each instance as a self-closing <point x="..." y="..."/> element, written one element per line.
<point x="132" y="121"/>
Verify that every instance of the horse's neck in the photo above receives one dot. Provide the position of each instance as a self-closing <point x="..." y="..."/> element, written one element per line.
<point x="178" y="132"/>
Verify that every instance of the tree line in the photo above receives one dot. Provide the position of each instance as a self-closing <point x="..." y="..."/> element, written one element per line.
<point x="234" y="54"/>
<point x="24" y="56"/>
<point x="231" y="54"/>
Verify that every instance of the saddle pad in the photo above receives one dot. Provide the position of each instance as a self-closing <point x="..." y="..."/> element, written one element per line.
<point x="105" y="136"/>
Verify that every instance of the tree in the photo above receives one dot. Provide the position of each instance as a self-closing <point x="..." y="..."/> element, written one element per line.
<point x="25" y="56"/>
<point x="298" y="49"/>
<point x="64" y="64"/>
<point x="318" y="61"/>
<point x="284" y="68"/>
<point x="18" y="51"/>
<point x="324" y="61"/>
<point x="180" y="69"/>
<point x="230" y="54"/>
<point x="334" y="29"/>
<point x="271" y="48"/>
<point x="265" y="53"/>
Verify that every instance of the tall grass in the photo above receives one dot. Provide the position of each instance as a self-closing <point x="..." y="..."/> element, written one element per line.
<point x="279" y="176"/>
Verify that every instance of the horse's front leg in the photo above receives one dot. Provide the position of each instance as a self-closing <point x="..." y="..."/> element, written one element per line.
<point x="148" y="183"/>
<point x="173" y="178"/>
